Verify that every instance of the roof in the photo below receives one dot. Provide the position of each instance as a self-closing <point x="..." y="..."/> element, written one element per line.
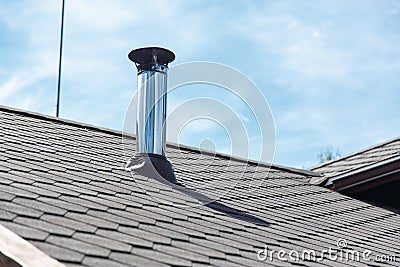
<point x="64" y="189"/>
<point x="360" y="159"/>
<point x="361" y="170"/>
<point x="371" y="175"/>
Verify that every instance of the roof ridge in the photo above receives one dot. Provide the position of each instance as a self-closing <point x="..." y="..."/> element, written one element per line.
<point x="380" y="144"/>
<point x="241" y="159"/>
<point x="42" y="116"/>
<point x="169" y="144"/>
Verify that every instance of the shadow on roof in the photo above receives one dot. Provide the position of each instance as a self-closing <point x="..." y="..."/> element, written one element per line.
<point x="217" y="206"/>
<point x="212" y="203"/>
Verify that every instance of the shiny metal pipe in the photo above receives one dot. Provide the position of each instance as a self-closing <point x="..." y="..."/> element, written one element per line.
<point x="152" y="110"/>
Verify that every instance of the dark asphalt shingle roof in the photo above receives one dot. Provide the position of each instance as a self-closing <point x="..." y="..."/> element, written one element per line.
<point x="360" y="159"/>
<point x="63" y="188"/>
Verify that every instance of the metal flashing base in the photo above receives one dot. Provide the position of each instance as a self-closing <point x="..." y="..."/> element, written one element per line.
<point x="152" y="166"/>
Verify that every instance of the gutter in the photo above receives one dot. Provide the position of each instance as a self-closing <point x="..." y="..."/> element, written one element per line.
<point x="379" y="173"/>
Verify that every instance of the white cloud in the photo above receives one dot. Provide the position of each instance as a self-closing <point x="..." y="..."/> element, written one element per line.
<point x="10" y="87"/>
<point x="19" y="81"/>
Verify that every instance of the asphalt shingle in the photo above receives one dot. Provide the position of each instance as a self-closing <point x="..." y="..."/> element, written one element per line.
<point x="91" y="220"/>
<point x="59" y="253"/>
<point x="79" y="246"/>
<point x="100" y="262"/>
<point x="41" y="206"/>
<point x="69" y="223"/>
<point x="20" y="210"/>
<point x="106" y="242"/>
<point x="26" y="231"/>
<point x="135" y="260"/>
<point x="133" y="233"/>
<point x="63" y="188"/>
<point x="44" y="226"/>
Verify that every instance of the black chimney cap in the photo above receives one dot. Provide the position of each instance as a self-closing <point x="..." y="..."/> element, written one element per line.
<point x="151" y="56"/>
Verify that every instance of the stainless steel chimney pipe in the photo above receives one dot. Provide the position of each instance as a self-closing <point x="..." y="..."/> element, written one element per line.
<point x="152" y="109"/>
<point x="152" y="66"/>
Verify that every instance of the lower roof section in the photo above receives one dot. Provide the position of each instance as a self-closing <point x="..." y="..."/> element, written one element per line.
<point x="371" y="175"/>
<point x="360" y="159"/>
<point x="64" y="189"/>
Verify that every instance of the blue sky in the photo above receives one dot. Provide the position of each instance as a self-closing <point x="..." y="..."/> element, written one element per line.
<point x="330" y="70"/>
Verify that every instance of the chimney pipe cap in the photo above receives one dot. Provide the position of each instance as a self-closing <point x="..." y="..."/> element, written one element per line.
<point x="151" y="56"/>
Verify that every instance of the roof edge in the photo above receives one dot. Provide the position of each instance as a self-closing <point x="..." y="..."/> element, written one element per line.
<point x="380" y="144"/>
<point x="327" y="181"/>
<point x="22" y="252"/>
<point x="363" y="169"/>
<point x="169" y="144"/>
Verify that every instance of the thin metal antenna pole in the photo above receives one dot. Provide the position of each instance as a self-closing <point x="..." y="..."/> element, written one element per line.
<point x="60" y="61"/>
